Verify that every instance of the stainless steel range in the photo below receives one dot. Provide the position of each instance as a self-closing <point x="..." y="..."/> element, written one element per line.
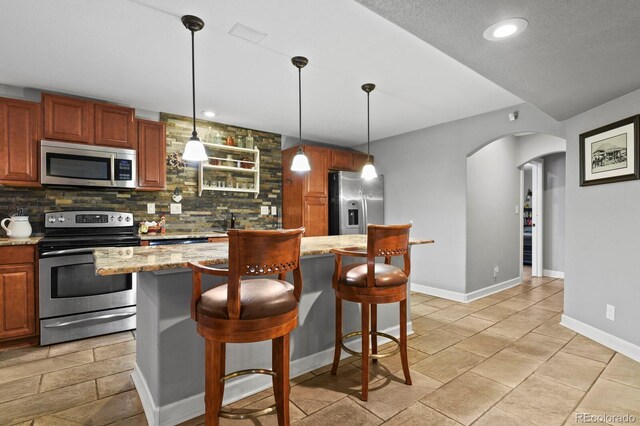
<point x="74" y="301"/>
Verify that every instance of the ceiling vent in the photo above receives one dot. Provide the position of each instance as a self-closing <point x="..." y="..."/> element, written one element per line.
<point x="246" y="33"/>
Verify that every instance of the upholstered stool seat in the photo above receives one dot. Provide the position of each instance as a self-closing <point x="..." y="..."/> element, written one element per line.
<point x="385" y="275"/>
<point x="370" y="284"/>
<point x="249" y="310"/>
<point x="259" y="298"/>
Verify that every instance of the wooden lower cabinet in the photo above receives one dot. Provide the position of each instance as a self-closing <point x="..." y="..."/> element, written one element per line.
<point x="316" y="216"/>
<point x="17" y="293"/>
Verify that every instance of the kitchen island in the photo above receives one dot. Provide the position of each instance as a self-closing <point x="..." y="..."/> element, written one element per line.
<point x="169" y="371"/>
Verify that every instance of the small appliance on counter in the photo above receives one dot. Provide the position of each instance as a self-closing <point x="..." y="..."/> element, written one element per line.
<point x="354" y="202"/>
<point x="75" y="302"/>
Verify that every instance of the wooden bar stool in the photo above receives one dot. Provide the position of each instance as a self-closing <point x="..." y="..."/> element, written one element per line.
<point x="250" y="310"/>
<point x="370" y="284"/>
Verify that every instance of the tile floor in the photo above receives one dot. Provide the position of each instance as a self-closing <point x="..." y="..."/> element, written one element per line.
<point x="501" y="360"/>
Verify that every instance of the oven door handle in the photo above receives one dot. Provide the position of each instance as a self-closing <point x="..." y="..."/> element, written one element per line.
<point x="78" y="321"/>
<point x="68" y="251"/>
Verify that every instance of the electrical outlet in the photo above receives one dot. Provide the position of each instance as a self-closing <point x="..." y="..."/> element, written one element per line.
<point x="496" y="271"/>
<point x="176" y="208"/>
<point x="151" y="208"/>
<point x="274" y="211"/>
<point x="264" y="210"/>
<point x="611" y="312"/>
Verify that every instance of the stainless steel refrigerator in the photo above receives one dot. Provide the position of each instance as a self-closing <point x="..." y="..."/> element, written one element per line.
<point x="354" y="203"/>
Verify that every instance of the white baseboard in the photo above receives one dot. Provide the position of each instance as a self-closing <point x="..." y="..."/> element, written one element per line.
<point x="465" y="297"/>
<point x="437" y="292"/>
<point x="609" y="340"/>
<point x="183" y="410"/>
<point x="553" y="274"/>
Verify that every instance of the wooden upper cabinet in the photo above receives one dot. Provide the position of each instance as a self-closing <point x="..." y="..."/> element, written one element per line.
<point x="67" y="119"/>
<point x="341" y="160"/>
<point x="19" y="140"/>
<point x="152" y="169"/>
<point x="78" y="120"/>
<point x="316" y="179"/>
<point x="115" y="126"/>
<point x="359" y="160"/>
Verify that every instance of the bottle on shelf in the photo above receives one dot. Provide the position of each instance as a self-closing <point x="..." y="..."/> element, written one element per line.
<point x="248" y="142"/>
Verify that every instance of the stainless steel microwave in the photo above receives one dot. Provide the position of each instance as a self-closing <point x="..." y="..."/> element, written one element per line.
<point x="73" y="164"/>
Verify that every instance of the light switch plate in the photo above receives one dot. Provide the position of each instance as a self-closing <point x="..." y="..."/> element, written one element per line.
<point x="176" y="208"/>
<point x="151" y="208"/>
<point x="264" y="210"/>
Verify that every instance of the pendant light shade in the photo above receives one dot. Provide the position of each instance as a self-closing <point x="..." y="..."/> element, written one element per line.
<point x="300" y="162"/>
<point x="194" y="150"/>
<point x="368" y="171"/>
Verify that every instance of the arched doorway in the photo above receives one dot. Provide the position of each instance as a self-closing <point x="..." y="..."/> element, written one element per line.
<point x="495" y="208"/>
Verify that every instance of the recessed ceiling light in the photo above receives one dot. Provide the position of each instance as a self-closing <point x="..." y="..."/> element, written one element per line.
<point x="505" y="29"/>
<point x="209" y="114"/>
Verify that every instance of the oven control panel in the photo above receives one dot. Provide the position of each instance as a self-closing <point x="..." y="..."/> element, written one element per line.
<point x="87" y="219"/>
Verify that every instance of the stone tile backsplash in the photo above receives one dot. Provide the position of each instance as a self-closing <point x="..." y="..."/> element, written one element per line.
<point x="210" y="211"/>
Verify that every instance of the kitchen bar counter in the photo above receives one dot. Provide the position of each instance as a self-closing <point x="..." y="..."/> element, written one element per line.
<point x="169" y="368"/>
<point x="19" y="241"/>
<point x="180" y="235"/>
<point x="122" y="260"/>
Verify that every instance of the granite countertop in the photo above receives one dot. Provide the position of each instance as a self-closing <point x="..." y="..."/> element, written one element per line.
<point x="122" y="260"/>
<point x="19" y="241"/>
<point x="177" y="235"/>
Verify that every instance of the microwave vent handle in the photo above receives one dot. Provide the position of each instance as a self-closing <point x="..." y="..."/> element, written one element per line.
<point x="113" y="170"/>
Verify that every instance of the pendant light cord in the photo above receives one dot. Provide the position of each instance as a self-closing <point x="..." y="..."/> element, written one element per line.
<point x="300" y="104"/>
<point x="368" y="133"/>
<point x="193" y="83"/>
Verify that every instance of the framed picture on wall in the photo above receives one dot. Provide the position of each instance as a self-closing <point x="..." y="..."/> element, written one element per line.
<point x="610" y="153"/>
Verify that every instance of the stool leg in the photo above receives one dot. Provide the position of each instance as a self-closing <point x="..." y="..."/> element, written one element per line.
<point x="365" y="351"/>
<point x="403" y="341"/>
<point x="281" y="386"/>
<point x="338" y="348"/>
<point x="214" y="358"/>
<point x="374" y="327"/>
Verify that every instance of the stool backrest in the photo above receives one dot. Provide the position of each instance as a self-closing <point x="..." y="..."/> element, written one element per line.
<point x="255" y="253"/>
<point x="387" y="241"/>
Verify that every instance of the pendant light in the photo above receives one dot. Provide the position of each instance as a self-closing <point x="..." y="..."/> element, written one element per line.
<point x="368" y="171"/>
<point x="300" y="162"/>
<point x="194" y="150"/>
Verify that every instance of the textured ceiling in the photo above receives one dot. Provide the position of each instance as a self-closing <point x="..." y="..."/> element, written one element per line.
<point x="575" y="54"/>
<point x="137" y="52"/>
